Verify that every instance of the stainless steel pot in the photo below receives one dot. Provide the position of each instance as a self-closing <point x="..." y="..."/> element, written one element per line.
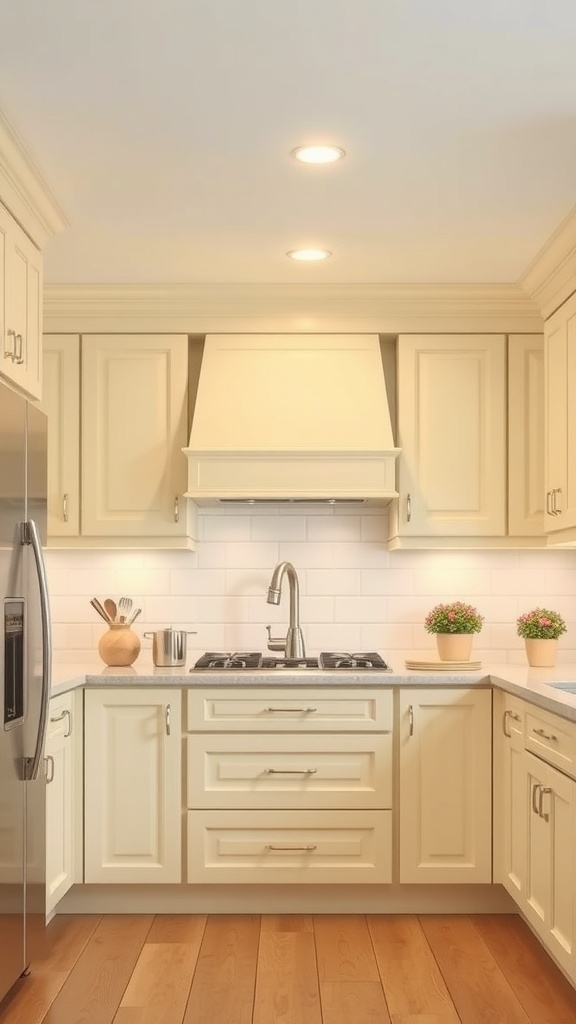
<point x="169" y="646"/>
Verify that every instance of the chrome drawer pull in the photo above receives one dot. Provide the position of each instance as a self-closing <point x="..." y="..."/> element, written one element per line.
<point x="410" y="721"/>
<point x="535" y="789"/>
<point x="291" y="710"/>
<point x="167" y="719"/>
<point x="509" y="714"/>
<point x="290" y="771"/>
<point x="545" y="735"/>
<point x="543" y="790"/>
<point x="49" y="768"/>
<point x="292" y="849"/>
<point x="60" y="718"/>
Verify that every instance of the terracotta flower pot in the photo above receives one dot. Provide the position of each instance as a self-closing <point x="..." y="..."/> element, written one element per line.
<point x="541" y="653"/>
<point x="454" y="646"/>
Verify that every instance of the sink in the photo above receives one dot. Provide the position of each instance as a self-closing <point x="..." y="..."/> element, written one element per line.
<point x="567" y="687"/>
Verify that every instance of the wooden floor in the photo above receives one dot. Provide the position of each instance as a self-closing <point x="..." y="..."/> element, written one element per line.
<point x="353" y="969"/>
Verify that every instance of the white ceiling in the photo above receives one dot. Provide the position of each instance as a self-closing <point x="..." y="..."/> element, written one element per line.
<point x="164" y="130"/>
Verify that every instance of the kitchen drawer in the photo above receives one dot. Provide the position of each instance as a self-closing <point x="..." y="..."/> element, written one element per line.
<point x="324" y="771"/>
<point x="289" y="846"/>
<point x="553" y="739"/>
<point x="281" y="710"/>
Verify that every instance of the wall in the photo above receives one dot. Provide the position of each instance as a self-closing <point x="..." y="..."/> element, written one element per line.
<point x="355" y="595"/>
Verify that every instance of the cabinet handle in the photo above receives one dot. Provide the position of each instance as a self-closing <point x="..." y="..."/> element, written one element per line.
<point x="549" y="511"/>
<point x="555" y="510"/>
<point x="290" y="771"/>
<point x="505" y="716"/>
<point x="545" y="735"/>
<point x="167" y="715"/>
<point x="10" y="353"/>
<point x="536" y="786"/>
<point x="18" y="344"/>
<point x="65" y="507"/>
<point x="292" y="849"/>
<point x="410" y="721"/>
<point x="543" y="790"/>
<point x="176" y="509"/>
<point x="60" y="718"/>
<point x="49" y="768"/>
<point x="291" y="710"/>
<point x="408" y="508"/>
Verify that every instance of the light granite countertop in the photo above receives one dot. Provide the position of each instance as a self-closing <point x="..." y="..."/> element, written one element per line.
<point x="532" y="684"/>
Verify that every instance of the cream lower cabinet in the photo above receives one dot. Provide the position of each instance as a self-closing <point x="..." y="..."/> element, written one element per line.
<point x="560" y="424"/>
<point x="20" y="307"/>
<point x="289" y="787"/>
<point x="132" y="785"/>
<point x="509" y="775"/>
<point x="63" y="772"/>
<point x="445" y="785"/>
<point x="117" y="407"/>
<point x="459" y="484"/>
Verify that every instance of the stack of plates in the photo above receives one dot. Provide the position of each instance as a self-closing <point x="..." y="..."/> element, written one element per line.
<point x="434" y="665"/>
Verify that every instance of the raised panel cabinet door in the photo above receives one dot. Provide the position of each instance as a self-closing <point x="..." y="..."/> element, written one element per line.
<point x="445" y="786"/>
<point x="22" y="327"/>
<point x="132" y="786"/>
<point x="526" y="435"/>
<point x="134" y="426"/>
<point x="59" y="799"/>
<point x="452" y="432"/>
<point x="509" y="772"/>
<point x="61" y="403"/>
<point x="560" y="420"/>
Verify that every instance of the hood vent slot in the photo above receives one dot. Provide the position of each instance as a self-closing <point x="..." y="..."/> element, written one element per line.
<point x="291" y="418"/>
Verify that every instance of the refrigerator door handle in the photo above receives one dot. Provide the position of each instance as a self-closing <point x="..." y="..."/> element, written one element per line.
<point x="31" y="536"/>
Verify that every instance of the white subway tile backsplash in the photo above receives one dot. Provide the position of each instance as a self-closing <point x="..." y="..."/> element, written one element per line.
<point x="355" y="595"/>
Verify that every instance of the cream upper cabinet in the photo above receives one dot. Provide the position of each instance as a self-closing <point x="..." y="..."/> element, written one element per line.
<point x="560" y="424"/>
<point x="445" y="785"/>
<point x="123" y="483"/>
<point x="460" y="482"/>
<point x="20" y="307"/>
<point x="133" y="811"/>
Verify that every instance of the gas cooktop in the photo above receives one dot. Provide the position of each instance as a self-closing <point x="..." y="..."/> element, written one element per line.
<point x="241" y="661"/>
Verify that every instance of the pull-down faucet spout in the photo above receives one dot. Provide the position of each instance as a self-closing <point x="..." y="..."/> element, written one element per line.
<point x="293" y="643"/>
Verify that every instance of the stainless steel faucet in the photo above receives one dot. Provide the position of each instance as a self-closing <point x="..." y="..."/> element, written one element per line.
<point x="293" y="643"/>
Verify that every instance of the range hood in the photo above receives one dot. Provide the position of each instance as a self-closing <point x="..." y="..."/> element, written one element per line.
<point x="291" y="417"/>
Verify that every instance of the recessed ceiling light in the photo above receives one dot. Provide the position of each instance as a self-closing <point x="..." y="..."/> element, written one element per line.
<point x="318" y="154"/>
<point x="309" y="255"/>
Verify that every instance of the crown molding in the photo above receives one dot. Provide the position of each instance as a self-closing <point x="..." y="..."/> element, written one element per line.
<point x="24" y="192"/>
<point x="551" y="276"/>
<point x="225" y="308"/>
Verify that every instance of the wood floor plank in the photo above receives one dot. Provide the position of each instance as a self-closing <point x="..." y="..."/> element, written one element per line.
<point x="353" y="1002"/>
<point x="92" y="992"/>
<point x="287" y="923"/>
<point x="286" y="980"/>
<point x="412" y="980"/>
<point x="544" y="992"/>
<point x="187" y="928"/>
<point x="476" y="984"/>
<point x="31" y="998"/>
<point x="66" y="938"/>
<point x="222" y="991"/>
<point x="344" y="948"/>
<point x="160" y="984"/>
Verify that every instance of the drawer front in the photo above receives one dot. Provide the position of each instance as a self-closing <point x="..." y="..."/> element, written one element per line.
<point x="321" y="771"/>
<point x="553" y="739"/>
<point x="289" y="846"/>
<point x="281" y="710"/>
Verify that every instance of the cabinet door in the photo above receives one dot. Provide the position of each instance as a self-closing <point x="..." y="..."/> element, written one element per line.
<point x="61" y="403"/>
<point x="509" y="773"/>
<point x="526" y="435"/>
<point x="452" y="429"/>
<point x="560" y="419"/>
<point x="59" y="799"/>
<point x="134" y="425"/>
<point x="551" y="835"/>
<point x="445" y="785"/>
<point x="132" y="785"/>
<point x="21" y="280"/>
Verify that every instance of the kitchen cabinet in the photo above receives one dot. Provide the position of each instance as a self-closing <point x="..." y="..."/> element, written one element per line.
<point x="509" y="775"/>
<point x="560" y="423"/>
<point x="20" y="307"/>
<point x="460" y="483"/>
<point x="63" y="770"/>
<point x="132" y="785"/>
<point x="289" y="787"/>
<point x="129" y="393"/>
<point x="445" y="785"/>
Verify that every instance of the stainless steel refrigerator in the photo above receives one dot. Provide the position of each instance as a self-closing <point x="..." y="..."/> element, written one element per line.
<point x="25" y="657"/>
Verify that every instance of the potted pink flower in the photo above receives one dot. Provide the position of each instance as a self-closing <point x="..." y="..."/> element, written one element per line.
<point x="540" y="629"/>
<point x="454" y="625"/>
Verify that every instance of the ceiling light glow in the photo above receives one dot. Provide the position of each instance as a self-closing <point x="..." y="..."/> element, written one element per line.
<point x="318" y="154"/>
<point x="309" y="255"/>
